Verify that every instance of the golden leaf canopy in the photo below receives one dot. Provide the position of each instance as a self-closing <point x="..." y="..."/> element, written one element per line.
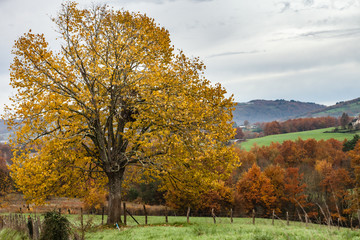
<point x="115" y="94"/>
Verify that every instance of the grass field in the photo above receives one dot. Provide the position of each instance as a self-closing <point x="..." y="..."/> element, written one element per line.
<point x="316" y="134"/>
<point x="204" y="228"/>
<point x="242" y="228"/>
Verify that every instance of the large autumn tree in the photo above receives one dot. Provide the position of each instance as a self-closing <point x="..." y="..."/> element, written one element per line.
<point x="115" y="94"/>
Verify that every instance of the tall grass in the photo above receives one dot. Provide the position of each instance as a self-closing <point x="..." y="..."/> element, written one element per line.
<point x="11" y="234"/>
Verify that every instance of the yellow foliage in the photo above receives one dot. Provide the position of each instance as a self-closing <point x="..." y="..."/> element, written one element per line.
<point x="94" y="199"/>
<point x="323" y="167"/>
<point x="115" y="95"/>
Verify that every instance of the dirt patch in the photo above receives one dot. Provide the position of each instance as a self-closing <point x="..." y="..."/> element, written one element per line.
<point x="15" y="203"/>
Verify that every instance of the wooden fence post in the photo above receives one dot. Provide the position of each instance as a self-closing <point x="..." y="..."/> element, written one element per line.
<point x="102" y="215"/>
<point x="37" y="227"/>
<point x="306" y="220"/>
<point x="287" y="218"/>
<point x="338" y="223"/>
<point x="166" y="214"/>
<point x="188" y="215"/>
<point x="124" y="206"/>
<point x="273" y="216"/>
<point x="213" y="215"/>
<point x="145" y="214"/>
<point x="30" y="227"/>
<point x="82" y="222"/>
<point x="300" y="218"/>
<point x="253" y="216"/>
<point x="231" y="215"/>
<point x="351" y="223"/>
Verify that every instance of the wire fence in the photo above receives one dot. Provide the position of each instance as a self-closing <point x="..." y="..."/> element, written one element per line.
<point x="31" y="223"/>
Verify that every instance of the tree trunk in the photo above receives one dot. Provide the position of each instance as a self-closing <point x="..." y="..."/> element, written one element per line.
<point x="114" y="209"/>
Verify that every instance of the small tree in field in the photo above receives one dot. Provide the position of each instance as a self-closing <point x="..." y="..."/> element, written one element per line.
<point x="344" y="120"/>
<point x="115" y="95"/>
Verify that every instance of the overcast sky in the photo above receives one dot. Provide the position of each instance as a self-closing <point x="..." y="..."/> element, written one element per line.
<point x="305" y="50"/>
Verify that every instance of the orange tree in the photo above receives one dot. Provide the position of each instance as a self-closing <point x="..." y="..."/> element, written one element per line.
<point x="255" y="191"/>
<point x="355" y="193"/>
<point x="276" y="175"/>
<point x="115" y="94"/>
<point x="294" y="190"/>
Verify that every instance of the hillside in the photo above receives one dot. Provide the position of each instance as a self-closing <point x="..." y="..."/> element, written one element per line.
<point x="319" y="134"/>
<point x="270" y="110"/>
<point x="4" y="132"/>
<point x="351" y="107"/>
<point x="3" y="127"/>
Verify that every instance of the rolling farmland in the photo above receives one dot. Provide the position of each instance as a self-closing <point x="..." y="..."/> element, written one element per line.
<point x="318" y="134"/>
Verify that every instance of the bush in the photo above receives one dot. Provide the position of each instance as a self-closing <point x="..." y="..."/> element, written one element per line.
<point x="56" y="227"/>
<point x="350" y="145"/>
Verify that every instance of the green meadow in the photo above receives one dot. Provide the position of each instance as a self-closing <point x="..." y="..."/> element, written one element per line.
<point x="204" y="228"/>
<point x="242" y="228"/>
<point x="318" y="134"/>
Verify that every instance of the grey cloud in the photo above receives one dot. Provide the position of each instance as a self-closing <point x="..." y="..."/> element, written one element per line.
<point x="286" y="6"/>
<point x="286" y="57"/>
<point x="196" y="1"/>
<point x="345" y="4"/>
<point x="303" y="5"/>
<point x="151" y="1"/>
<point x="321" y="86"/>
<point x="322" y="34"/>
<point x="115" y="2"/>
<point x="308" y="61"/>
<point x="202" y="0"/>
<point x="340" y="33"/>
<point x="232" y="53"/>
<point x="308" y="2"/>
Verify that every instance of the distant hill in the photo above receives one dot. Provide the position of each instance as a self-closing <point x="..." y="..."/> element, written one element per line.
<point x="270" y="110"/>
<point x="4" y="132"/>
<point x="3" y="127"/>
<point x="351" y="107"/>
